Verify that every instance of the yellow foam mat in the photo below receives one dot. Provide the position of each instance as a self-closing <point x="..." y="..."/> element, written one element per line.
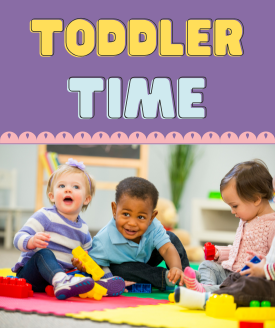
<point x="162" y="315"/>
<point x="6" y="272"/>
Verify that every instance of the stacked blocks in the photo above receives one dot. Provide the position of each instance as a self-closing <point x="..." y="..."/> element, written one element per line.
<point x="13" y="287"/>
<point x="91" y="267"/>
<point x="140" y="288"/>
<point x="209" y="251"/>
<point x="255" y="312"/>
<point x="221" y="306"/>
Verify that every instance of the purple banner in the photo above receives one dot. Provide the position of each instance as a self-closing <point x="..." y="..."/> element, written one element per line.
<point x="41" y="91"/>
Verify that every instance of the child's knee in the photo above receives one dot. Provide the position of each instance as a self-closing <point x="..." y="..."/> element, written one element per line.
<point x="45" y="252"/>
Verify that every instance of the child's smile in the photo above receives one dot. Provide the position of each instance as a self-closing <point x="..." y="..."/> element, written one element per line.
<point x="133" y="216"/>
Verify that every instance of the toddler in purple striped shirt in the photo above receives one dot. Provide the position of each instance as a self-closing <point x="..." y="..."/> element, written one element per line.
<point x="49" y="236"/>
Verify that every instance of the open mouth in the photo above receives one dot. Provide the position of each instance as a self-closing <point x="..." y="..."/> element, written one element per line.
<point x="130" y="232"/>
<point x="68" y="200"/>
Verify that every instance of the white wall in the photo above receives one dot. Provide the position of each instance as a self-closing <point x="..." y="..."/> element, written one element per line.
<point x="213" y="162"/>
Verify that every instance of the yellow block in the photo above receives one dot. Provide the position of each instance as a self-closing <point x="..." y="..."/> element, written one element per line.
<point x="97" y="292"/>
<point x="221" y="306"/>
<point x="90" y="265"/>
<point x="255" y="313"/>
<point x="6" y="272"/>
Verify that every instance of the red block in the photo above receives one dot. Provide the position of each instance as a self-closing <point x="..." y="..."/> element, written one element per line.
<point x="49" y="290"/>
<point x="247" y="324"/>
<point x="13" y="287"/>
<point x="209" y="251"/>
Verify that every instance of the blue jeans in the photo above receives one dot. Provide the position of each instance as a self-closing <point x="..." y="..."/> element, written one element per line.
<point x="40" y="270"/>
<point x="211" y="275"/>
<point x="149" y="272"/>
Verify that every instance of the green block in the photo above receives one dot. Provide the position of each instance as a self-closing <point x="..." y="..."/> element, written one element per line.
<point x="254" y="304"/>
<point x="265" y="304"/>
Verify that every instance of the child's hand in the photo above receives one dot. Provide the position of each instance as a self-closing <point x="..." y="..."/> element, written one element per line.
<point x="174" y="275"/>
<point x="216" y="254"/>
<point x="255" y="270"/>
<point x="252" y="254"/>
<point x="78" y="264"/>
<point x="39" y="240"/>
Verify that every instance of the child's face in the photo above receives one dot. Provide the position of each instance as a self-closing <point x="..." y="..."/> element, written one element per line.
<point x="133" y="216"/>
<point x="244" y="210"/>
<point x="69" y="194"/>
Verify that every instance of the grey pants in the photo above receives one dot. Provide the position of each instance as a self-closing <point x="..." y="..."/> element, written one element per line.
<point x="211" y="275"/>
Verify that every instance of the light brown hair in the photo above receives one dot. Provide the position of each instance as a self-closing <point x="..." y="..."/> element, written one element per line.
<point x="252" y="180"/>
<point x="66" y="169"/>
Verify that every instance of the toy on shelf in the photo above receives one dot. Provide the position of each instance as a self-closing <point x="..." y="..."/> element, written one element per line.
<point x="221" y="306"/>
<point x="254" y="260"/>
<point x="214" y="195"/>
<point x="13" y="287"/>
<point x="140" y="288"/>
<point x="209" y="251"/>
<point x="91" y="267"/>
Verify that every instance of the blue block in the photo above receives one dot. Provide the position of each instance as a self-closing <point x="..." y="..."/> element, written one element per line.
<point x="254" y="260"/>
<point x="140" y="288"/>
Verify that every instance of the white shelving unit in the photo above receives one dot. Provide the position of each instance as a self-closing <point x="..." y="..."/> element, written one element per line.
<point x="212" y="221"/>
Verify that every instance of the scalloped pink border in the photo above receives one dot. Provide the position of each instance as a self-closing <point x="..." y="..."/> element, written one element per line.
<point x="137" y="137"/>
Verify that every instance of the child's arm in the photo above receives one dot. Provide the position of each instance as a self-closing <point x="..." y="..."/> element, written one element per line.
<point x="172" y="259"/>
<point x="32" y="234"/>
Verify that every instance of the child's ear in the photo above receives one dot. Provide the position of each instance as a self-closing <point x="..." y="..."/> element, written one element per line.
<point x="51" y="196"/>
<point x="87" y="200"/>
<point x="258" y="201"/>
<point x="154" y="214"/>
<point x="114" y="209"/>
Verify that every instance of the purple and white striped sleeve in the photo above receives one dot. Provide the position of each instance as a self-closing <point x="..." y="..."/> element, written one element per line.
<point x="37" y="223"/>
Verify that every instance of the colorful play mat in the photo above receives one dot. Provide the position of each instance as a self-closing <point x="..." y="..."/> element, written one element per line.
<point x="151" y="310"/>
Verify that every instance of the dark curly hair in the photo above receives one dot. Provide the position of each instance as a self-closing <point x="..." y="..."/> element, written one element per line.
<point x="252" y="180"/>
<point x="139" y="188"/>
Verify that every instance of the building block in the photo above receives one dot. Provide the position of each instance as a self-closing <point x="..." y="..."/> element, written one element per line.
<point x="221" y="306"/>
<point x="246" y="324"/>
<point x="91" y="267"/>
<point x="209" y="251"/>
<point x="97" y="292"/>
<point x="265" y="304"/>
<point x="254" y="260"/>
<point x="254" y="304"/>
<point x="171" y="298"/>
<point x="13" y="287"/>
<point x="259" y="314"/>
<point x="49" y="290"/>
<point x="140" y="288"/>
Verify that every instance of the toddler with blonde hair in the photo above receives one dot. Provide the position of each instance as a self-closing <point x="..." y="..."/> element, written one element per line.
<point x="49" y="236"/>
